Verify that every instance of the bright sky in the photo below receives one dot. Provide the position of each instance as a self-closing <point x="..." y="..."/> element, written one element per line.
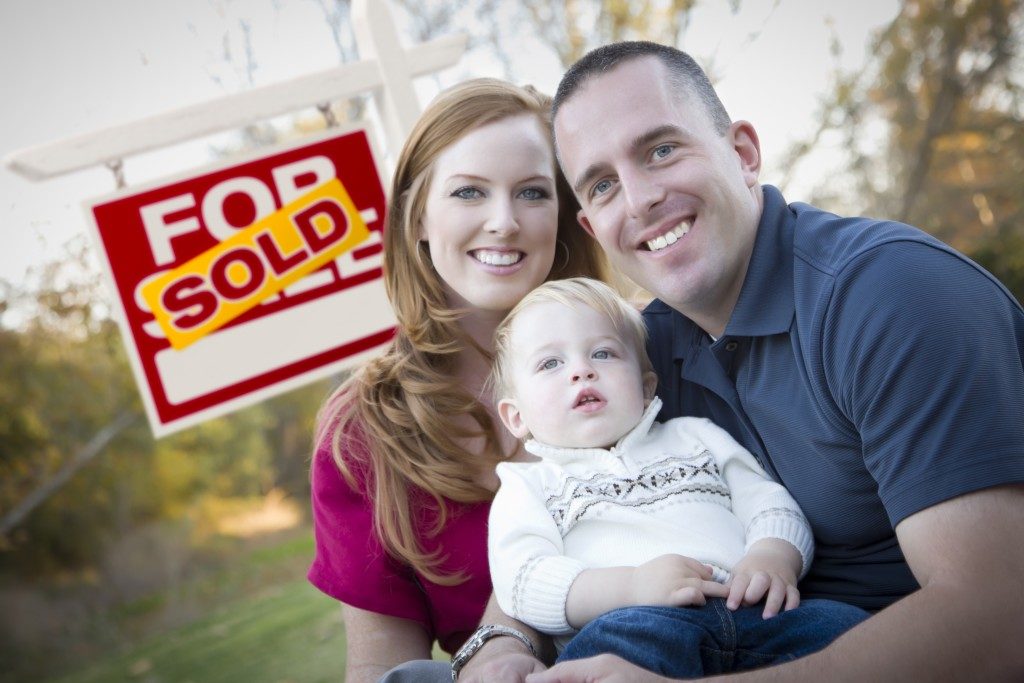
<point x="72" y="66"/>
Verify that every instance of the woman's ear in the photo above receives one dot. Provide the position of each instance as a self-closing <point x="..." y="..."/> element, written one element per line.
<point x="510" y="416"/>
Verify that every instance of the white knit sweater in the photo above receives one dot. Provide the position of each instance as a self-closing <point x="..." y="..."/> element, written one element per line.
<point x="683" y="487"/>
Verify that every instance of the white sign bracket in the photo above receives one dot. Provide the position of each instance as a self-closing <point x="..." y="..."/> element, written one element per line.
<point x="385" y="68"/>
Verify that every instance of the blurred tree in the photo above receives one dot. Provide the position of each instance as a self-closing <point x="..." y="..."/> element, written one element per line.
<point x="573" y="28"/>
<point x="65" y="391"/>
<point x="78" y="465"/>
<point x="288" y="433"/>
<point x="570" y="29"/>
<point x="934" y="128"/>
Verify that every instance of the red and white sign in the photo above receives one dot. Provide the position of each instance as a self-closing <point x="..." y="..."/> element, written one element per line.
<point x="333" y="317"/>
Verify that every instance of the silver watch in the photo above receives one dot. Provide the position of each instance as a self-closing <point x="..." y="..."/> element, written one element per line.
<point x="481" y="636"/>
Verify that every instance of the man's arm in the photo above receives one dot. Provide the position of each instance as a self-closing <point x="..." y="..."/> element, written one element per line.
<point x="965" y="623"/>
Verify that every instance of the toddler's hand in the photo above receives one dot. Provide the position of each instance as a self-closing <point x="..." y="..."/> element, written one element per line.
<point x="674" y="580"/>
<point x="768" y="571"/>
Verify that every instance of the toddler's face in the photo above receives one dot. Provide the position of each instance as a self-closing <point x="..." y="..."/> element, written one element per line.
<point x="576" y="383"/>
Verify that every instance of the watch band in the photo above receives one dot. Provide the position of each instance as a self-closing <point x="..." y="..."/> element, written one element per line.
<point x="481" y="636"/>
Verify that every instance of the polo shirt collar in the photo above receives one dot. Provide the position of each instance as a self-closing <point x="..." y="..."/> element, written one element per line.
<point x="765" y="305"/>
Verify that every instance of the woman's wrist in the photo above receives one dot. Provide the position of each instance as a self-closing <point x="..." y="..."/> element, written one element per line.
<point x="489" y="641"/>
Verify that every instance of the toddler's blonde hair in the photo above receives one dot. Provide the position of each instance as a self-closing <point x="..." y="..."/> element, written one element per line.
<point x="596" y="295"/>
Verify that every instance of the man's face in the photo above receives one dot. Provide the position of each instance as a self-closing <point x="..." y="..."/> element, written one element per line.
<point x="674" y="203"/>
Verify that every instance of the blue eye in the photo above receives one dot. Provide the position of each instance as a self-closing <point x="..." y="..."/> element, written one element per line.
<point x="602" y="354"/>
<point x="662" y="151"/>
<point x="600" y="187"/>
<point x="549" y="364"/>
<point x="534" y="193"/>
<point x="468" y="192"/>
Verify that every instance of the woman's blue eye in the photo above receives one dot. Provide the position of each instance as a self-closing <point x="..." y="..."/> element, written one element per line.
<point x="602" y="354"/>
<point x="549" y="364"/>
<point x="468" y="192"/>
<point x="534" y="193"/>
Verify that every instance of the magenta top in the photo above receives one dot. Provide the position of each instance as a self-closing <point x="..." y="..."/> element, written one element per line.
<point x="352" y="566"/>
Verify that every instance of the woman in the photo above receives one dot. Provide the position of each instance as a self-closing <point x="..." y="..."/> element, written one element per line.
<point x="403" y="474"/>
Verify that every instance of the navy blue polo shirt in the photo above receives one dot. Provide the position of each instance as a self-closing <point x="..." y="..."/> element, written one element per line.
<point x="873" y="370"/>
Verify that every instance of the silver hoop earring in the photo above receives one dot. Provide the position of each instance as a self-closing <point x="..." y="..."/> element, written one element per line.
<point x="559" y="244"/>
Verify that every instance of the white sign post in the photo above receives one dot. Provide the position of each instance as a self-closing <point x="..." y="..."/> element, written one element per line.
<point x="377" y="40"/>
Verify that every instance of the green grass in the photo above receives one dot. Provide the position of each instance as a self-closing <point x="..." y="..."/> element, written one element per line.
<point x="301" y="546"/>
<point x="288" y="632"/>
<point x="255" y="620"/>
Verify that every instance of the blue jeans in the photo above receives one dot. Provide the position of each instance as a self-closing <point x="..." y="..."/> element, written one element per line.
<point x="690" y="642"/>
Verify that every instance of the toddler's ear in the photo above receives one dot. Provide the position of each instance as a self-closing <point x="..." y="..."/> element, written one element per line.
<point x="650" y="386"/>
<point x="511" y="417"/>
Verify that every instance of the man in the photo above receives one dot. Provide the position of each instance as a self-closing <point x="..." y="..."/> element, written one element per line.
<point x="872" y="369"/>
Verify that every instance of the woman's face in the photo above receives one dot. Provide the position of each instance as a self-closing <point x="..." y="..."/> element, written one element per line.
<point x="491" y="215"/>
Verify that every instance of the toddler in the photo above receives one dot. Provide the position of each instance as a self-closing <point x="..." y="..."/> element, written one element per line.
<point x="670" y="536"/>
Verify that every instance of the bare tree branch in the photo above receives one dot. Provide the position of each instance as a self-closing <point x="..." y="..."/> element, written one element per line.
<point x="93" y="448"/>
<point x="950" y="92"/>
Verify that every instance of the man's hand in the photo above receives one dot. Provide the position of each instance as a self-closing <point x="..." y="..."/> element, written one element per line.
<point x="674" y="581"/>
<point x="769" y="568"/>
<point x="502" y="660"/>
<point x="600" y="669"/>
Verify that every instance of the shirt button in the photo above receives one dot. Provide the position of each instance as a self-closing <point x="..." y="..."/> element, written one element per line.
<point x="731" y="346"/>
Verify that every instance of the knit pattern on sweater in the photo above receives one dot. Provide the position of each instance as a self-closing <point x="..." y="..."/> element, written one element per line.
<point x="697" y="481"/>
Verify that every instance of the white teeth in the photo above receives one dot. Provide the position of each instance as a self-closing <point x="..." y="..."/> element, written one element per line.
<point x="670" y="237"/>
<point x="497" y="258"/>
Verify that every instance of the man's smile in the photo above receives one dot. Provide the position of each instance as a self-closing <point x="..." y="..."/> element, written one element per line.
<point x="670" y="237"/>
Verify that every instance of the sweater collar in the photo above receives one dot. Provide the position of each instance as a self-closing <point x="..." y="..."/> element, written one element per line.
<point x="564" y="455"/>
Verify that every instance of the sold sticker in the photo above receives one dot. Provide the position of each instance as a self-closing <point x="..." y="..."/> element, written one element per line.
<point x="222" y="283"/>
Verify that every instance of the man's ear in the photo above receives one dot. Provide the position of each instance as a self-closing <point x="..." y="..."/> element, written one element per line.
<point x="512" y="419"/>
<point x="585" y="223"/>
<point x="748" y="149"/>
<point x="650" y="386"/>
